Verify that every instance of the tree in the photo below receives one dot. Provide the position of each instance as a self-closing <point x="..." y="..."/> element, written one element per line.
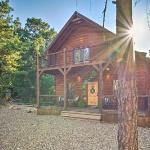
<point x="18" y="52"/>
<point x="35" y="36"/>
<point x="126" y="94"/>
<point x="9" y="47"/>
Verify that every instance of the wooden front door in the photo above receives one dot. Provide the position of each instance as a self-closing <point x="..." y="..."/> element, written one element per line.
<point x="93" y="93"/>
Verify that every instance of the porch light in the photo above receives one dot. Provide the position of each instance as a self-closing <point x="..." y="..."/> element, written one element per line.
<point x="79" y="79"/>
<point x="108" y="76"/>
<point x="107" y="68"/>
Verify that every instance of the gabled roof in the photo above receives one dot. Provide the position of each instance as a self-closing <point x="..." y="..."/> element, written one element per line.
<point x="75" y="17"/>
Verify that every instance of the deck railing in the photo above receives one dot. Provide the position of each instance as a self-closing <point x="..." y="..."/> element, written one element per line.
<point x="110" y="102"/>
<point x="75" y="56"/>
<point x="50" y="100"/>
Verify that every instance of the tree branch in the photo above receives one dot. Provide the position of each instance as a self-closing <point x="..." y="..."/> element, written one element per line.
<point x="104" y="12"/>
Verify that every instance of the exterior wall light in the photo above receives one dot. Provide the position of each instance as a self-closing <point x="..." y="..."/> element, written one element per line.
<point x="79" y="79"/>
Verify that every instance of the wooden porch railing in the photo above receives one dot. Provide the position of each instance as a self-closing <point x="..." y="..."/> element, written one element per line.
<point x="110" y="102"/>
<point x="73" y="56"/>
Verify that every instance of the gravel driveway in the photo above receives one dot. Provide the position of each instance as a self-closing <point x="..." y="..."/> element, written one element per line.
<point x="20" y="130"/>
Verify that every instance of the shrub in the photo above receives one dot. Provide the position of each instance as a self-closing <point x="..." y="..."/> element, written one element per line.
<point x="82" y="104"/>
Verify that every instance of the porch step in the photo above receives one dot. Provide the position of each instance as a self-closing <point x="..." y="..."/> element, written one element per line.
<point x="81" y="115"/>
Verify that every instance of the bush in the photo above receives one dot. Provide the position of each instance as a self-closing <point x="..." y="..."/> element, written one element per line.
<point x="82" y="104"/>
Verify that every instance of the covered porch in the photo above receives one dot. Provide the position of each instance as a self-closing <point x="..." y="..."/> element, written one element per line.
<point x="89" y="89"/>
<point x="94" y="82"/>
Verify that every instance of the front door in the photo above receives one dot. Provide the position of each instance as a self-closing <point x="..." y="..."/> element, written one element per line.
<point x="93" y="93"/>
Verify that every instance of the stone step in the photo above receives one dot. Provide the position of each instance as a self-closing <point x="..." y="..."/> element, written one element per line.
<point x="81" y="115"/>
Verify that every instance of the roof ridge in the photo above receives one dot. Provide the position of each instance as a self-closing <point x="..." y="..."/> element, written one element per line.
<point x="69" y="21"/>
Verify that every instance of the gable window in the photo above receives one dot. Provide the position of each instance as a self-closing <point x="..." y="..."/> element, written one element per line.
<point x="81" y="55"/>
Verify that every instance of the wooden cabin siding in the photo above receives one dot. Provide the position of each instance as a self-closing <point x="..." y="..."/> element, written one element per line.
<point x="108" y="83"/>
<point x="142" y="81"/>
<point x="81" y="37"/>
<point x="141" y="75"/>
<point x="142" y="78"/>
<point x="82" y="33"/>
<point x="72" y="79"/>
<point x="59" y="85"/>
<point x="84" y="36"/>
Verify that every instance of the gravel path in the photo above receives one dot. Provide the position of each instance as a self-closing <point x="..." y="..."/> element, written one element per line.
<point x="20" y="130"/>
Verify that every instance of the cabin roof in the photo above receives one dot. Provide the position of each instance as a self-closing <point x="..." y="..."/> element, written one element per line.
<point x="76" y="15"/>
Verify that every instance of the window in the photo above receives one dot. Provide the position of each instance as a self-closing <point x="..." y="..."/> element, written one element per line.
<point x="86" y="54"/>
<point x="81" y="55"/>
<point x="77" y="56"/>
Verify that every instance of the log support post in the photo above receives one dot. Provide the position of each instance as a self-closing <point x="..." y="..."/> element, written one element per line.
<point x="149" y="102"/>
<point x="100" y="87"/>
<point x="65" y="81"/>
<point x="37" y="82"/>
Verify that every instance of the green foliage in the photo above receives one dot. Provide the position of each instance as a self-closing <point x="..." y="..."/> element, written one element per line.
<point x="47" y="85"/>
<point x="18" y="49"/>
<point x="84" y="87"/>
<point x="82" y="104"/>
<point x="9" y="47"/>
<point x="24" y="84"/>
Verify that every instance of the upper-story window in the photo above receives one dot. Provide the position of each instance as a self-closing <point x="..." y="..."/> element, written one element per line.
<point x="81" y="55"/>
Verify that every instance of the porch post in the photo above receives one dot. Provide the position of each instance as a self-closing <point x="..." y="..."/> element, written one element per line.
<point x="65" y="81"/>
<point x="149" y="102"/>
<point x="100" y="88"/>
<point x="37" y="82"/>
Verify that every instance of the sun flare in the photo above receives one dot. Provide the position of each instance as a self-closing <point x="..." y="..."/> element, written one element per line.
<point x="131" y="32"/>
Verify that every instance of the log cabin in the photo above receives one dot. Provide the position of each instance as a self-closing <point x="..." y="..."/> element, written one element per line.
<point x="81" y="58"/>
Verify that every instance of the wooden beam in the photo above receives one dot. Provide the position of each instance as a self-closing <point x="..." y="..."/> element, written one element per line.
<point x="100" y="93"/>
<point x="40" y="73"/>
<point x="60" y="69"/>
<point x="37" y="82"/>
<point x="107" y="64"/>
<point x="68" y="70"/>
<point x="85" y="64"/>
<point x="70" y="66"/>
<point x="65" y="81"/>
<point x="96" y="67"/>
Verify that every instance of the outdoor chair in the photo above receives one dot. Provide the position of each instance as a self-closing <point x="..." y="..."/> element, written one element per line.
<point x="73" y="100"/>
<point x="70" y="101"/>
<point x="61" y="100"/>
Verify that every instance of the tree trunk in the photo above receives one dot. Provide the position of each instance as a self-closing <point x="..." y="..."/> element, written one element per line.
<point x="127" y="111"/>
<point x="126" y="91"/>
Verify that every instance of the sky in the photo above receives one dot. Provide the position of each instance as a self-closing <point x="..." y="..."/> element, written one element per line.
<point x="57" y="12"/>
